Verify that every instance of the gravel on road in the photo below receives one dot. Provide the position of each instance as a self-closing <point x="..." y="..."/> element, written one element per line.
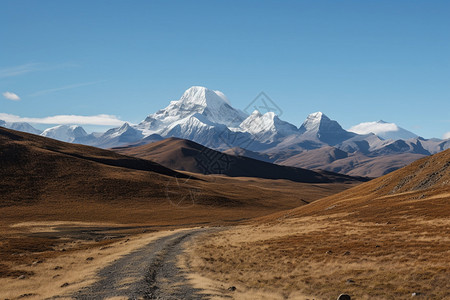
<point x="148" y="273"/>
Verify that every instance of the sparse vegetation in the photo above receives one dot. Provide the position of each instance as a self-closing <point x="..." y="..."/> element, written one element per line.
<point x="385" y="239"/>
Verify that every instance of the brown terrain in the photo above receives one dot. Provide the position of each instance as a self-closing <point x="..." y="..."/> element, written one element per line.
<point x="355" y="164"/>
<point x="385" y="239"/>
<point x="185" y="155"/>
<point x="62" y="204"/>
<point x="72" y="211"/>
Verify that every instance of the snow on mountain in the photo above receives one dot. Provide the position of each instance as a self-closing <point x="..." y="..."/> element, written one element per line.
<point x="20" y="126"/>
<point x="212" y="106"/>
<point x="384" y="130"/>
<point x="120" y="136"/>
<point x="268" y="127"/>
<point x="206" y="116"/>
<point x="65" y="133"/>
<point x="318" y="126"/>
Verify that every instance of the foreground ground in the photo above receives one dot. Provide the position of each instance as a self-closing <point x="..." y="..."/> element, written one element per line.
<point x="81" y="220"/>
<point x="385" y="239"/>
<point x="322" y="257"/>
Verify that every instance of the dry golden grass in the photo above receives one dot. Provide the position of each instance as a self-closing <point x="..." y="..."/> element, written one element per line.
<point x="55" y="268"/>
<point x="384" y="239"/>
<point x="318" y="256"/>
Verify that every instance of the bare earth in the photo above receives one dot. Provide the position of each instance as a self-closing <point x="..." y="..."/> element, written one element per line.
<point x="149" y="273"/>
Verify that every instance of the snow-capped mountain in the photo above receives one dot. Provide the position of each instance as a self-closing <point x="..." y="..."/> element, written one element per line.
<point x="207" y="106"/>
<point x="267" y="128"/>
<point x="318" y="126"/>
<point x="20" y="126"/>
<point x="206" y="116"/>
<point x="384" y="130"/>
<point x="65" y="133"/>
<point x="123" y="135"/>
<point x="201" y="115"/>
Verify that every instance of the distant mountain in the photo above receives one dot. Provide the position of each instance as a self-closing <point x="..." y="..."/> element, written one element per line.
<point x="384" y="130"/>
<point x="318" y="126"/>
<point x="208" y="106"/>
<point x="206" y="117"/>
<point x="267" y="128"/>
<point x="20" y="126"/>
<point x="201" y="115"/>
<point x="123" y="135"/>
<point x="65" y="133"/>
<point x="355" y="164"/>
<point x="185" y="155"/>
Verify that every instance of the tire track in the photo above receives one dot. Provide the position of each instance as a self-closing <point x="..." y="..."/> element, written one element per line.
<point x="148" y="273"/>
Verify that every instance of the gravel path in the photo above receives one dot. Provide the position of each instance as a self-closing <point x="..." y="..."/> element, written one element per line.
<point x="148" y="273"/>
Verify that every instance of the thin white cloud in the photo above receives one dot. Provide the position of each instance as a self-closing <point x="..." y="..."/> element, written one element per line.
<point x="446" y="135"/>
<point x="31" y="67"/>
<point x="373" y="127"/>
<point x="102" y="119"/>
<point x="11" y="96"/>
<point x="18" y="70"/>
<point x="66" y="87"/>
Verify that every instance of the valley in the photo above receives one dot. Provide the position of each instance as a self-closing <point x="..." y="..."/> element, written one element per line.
<point x="73" y="216"/>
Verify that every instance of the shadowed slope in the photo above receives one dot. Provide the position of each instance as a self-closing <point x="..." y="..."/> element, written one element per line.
<point x="44" y="178"/>
<point x="34" y="168"/>
<point x="189" y="156"/>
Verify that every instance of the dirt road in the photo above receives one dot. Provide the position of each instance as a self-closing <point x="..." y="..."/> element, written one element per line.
<point x="148" y="273"/>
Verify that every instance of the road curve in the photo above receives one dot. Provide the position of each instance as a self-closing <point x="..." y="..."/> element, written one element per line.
<point x="147" y="273"/>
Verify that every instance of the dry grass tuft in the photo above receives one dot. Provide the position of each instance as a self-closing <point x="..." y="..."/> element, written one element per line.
<point x="326" y="256"/>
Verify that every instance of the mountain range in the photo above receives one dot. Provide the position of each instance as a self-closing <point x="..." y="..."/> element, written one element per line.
<point x="206" y="117"/>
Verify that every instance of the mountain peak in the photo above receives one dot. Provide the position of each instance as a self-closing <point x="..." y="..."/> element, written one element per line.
<point x="267" y="127"/>
<point x="316" y="115"/>
<point x="20" y="126"/>
<point x="125" y="126"/>
<point x="202" y="96"/>
<point x="314" y="120"/>
<point x="213" y="106"/>
<point x="318" y="126"/>
<point x="65" y="133"/>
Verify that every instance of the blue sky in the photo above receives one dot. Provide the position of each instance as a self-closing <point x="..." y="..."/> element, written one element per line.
<point x="356" y="61"/>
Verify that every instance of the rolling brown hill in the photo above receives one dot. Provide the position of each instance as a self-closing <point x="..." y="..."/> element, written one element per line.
<point x="35" y="168"/>
<point x="384" y="239"/>
<point x="185" y="155"/>
<point x="425" y="183"/>
<point x="47" y="179"/>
